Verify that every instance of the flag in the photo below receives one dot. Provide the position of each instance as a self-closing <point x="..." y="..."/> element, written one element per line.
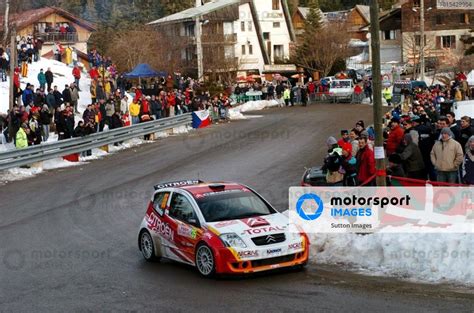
<point x="201" y="119"/>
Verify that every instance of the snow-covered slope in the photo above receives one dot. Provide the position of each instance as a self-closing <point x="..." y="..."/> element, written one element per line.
<point x="62" y="76"/>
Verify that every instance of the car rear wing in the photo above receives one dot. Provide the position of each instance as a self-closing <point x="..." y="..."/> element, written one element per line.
<point x="180" y="183"/>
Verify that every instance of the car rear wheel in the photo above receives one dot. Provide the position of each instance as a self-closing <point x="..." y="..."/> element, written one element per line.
<point x="205" y="262"/>
<point x="147" y="247"/>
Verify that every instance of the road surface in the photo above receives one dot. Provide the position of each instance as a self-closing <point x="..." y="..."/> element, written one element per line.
<point x="69" y="237"/>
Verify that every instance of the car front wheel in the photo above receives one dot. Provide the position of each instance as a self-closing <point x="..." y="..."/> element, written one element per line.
<point x="205" y="262"/>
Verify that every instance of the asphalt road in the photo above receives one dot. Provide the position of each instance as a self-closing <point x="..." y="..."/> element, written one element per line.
<point x="69" y="237"/>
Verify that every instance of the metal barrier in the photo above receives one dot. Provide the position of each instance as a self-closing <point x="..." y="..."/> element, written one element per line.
<point x="14" y="158"/>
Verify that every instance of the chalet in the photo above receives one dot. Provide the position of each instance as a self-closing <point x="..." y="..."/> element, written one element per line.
<point x="447" y="32"/>
<point x="52" y="25"/>
<point x="241" y="36"/>
<point x="357" y="20"/>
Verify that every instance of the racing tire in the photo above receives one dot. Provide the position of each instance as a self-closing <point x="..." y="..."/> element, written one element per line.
<point x="147" y="247"/>
<point x="205" y="261"/>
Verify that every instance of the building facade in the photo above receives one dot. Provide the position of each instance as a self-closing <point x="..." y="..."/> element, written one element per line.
<point x="446" y="31"/>
<point x="52" y="25"/>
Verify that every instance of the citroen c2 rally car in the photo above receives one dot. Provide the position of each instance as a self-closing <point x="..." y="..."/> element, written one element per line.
<point x="220" y="228"/>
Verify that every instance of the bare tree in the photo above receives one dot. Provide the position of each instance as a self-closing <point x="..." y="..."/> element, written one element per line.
<point x="320" y="51"/>
<point x="412" y="47"/>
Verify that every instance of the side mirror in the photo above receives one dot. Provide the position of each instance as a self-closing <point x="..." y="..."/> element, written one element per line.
<point x="194" y="222"/>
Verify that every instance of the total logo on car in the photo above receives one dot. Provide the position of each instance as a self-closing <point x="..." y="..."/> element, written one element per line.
<point x="220" y="228"/>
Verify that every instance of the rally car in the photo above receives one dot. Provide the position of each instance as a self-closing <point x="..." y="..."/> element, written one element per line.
<point x="220" y="228"/>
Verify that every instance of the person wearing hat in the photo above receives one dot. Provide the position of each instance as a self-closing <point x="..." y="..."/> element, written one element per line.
<point x="395" y="136"/>
<point x="42" y="79"/>
<point x="446" y="157"/>
<point x="349" y="166"/>
<point x="365" y="162"/>
<point x="21" y="140"/>
<point x="425" y="144"/>
<point x="333" y="162"/>
<point x="345" y="141"/>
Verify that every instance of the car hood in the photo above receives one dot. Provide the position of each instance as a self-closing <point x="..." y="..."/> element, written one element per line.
<point x="254" y="226"/>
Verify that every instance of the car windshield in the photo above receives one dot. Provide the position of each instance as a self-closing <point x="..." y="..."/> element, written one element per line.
<point x="225" y="206"/>
<point x="341" y="84"/>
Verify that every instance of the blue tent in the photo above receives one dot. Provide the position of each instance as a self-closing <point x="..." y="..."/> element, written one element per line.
<point x="144" y="71"/>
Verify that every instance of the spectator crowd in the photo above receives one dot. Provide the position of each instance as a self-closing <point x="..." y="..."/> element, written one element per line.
<point x="424" y="140"/>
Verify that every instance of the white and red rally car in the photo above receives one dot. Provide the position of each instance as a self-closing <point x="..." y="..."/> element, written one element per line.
<point x="221" y="228"/>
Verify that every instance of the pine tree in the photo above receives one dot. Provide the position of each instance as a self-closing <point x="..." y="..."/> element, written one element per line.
<point x="313" y="21"/>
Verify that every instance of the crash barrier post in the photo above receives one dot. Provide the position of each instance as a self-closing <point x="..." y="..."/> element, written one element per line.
<point x="15" y="158"/>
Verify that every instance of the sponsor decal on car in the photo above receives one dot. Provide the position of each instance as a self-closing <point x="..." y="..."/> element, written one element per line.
<point x="160" y="227"/>
<point x="273" y="251"/>
<point x="295" y="246"/>
<point x="248" y="254"/>
<point x="186" y="231"/>
<point x="263" y="230"/>
<point x="226" y="223"/>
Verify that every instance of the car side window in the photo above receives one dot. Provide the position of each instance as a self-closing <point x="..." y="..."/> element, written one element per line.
<point x="160" y="201"/>
<point x="181" y="209"/>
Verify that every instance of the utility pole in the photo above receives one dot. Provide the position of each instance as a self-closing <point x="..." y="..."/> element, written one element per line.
<point x="377" y="91"/>
<point x="6" y="21"/>
<point x="422" y="40"/>
<point x="199" y="52"/>
<point x="13" y="62"/>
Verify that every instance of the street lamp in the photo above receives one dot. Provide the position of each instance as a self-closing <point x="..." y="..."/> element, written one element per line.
<point x="422" y="38"/>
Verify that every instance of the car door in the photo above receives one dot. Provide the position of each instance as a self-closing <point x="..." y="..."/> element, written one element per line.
<point x="157" y="221"/>
<point x="182" y="215"/>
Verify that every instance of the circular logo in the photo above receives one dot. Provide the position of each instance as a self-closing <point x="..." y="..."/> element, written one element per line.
<point x="309" y="197"/>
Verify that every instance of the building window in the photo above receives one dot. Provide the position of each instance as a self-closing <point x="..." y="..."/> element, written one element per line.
<point x="266" y="36"/>
<point x="464" y="18"/>
<point x="416" y="3"/>
<point x="250" y="49"/>
<point x="242" y="26"/>
<point x="276" y="24"/>
<point x="446" y="42"/>
<point x="189" y="30"/>
<point x="250" y="26"/>
<point x="243" y="49"/>
<point x="276" y="5"/>
<point x="439" y="19"/>
<point x="389" y="35"/>
<point x="278" y="51"/>
<point x="418" y="40"/>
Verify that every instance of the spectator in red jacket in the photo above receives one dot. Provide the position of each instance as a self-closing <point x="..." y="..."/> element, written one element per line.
<point x="94" y="73"/>
<point x="365" y="162"/>
<point x="395" y="137"/>
<point x="76" y="72"/>
<point x="345" y="141"/>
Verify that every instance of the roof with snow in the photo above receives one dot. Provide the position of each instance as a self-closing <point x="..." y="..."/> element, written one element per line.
<point x="26" y="18"/>
<point x="192" y="13"/>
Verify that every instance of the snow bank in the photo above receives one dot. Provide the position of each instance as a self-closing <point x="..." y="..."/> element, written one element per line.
<point x="37" y="168"/>
<point x="434" y="258"/>
<point x="62" y="76"/>
<point x="236" y="112"/>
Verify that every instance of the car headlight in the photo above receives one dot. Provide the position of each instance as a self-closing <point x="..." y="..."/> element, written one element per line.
<point x="233" y="240"/>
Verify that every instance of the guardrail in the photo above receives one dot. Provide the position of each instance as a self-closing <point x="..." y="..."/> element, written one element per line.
<point x="14" y="158"/>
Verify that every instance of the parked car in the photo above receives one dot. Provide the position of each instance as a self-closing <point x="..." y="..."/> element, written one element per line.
<point x="341" y="89"/>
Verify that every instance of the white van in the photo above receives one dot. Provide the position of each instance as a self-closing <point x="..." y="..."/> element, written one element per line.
<point x="341" y="89"/>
